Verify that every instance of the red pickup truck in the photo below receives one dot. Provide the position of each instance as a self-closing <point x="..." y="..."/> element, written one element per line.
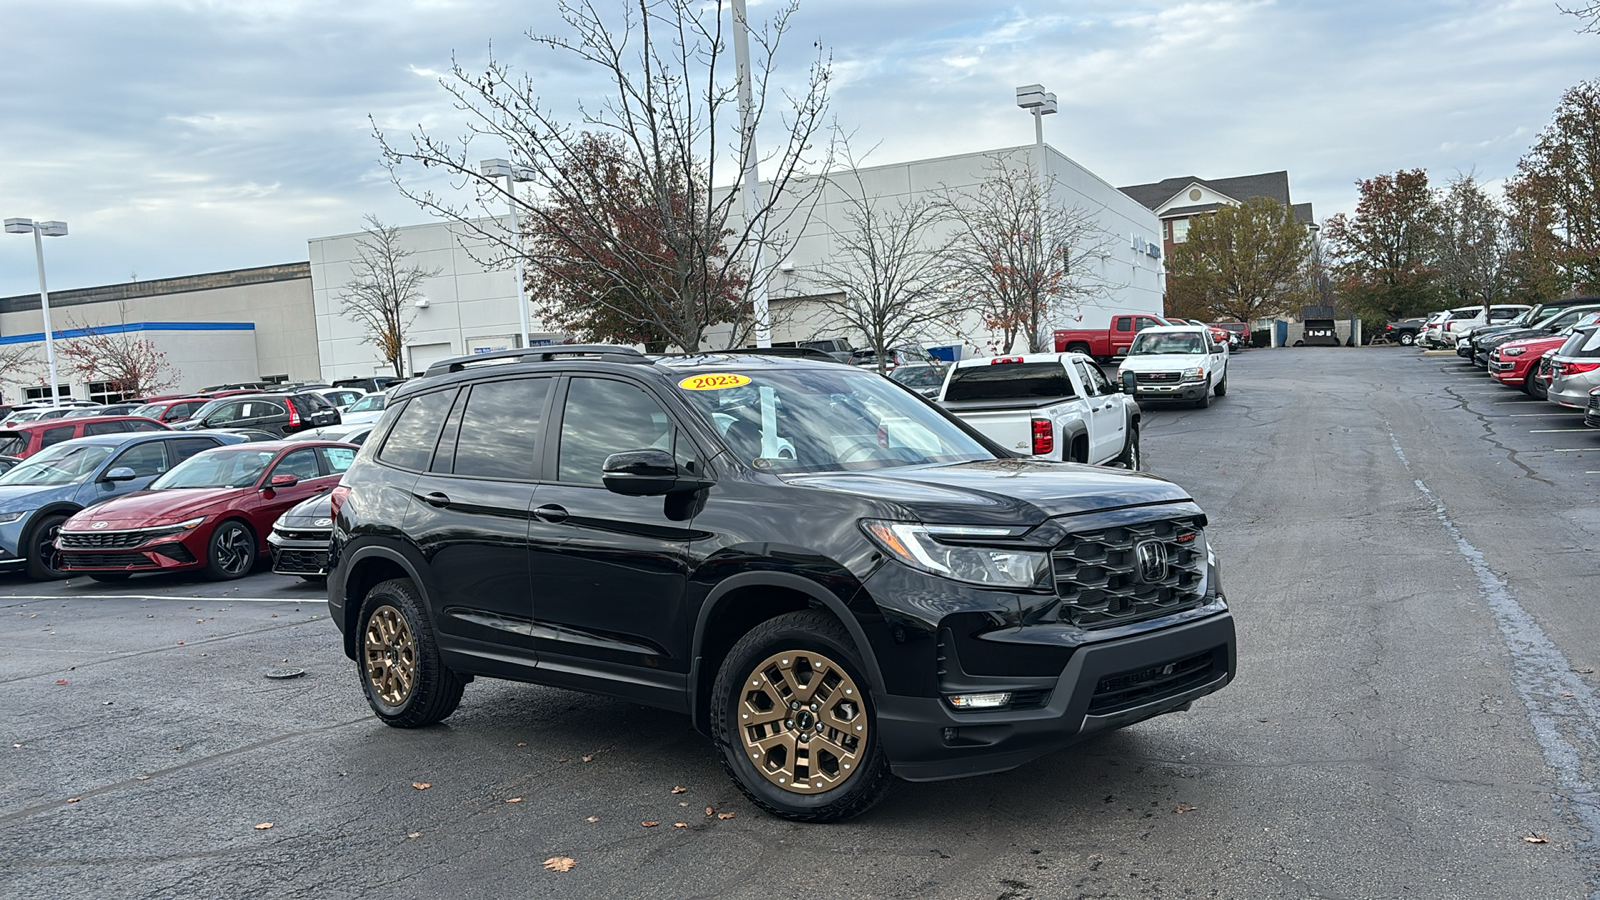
<point x="1107" y="343"/>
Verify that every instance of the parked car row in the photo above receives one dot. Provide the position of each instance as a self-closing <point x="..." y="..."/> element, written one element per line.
<point x="1555" y="358"/>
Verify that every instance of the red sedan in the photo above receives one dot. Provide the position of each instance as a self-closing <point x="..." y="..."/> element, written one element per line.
<point x="213" y="511"/>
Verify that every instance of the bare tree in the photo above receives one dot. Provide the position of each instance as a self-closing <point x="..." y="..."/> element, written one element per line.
<point x="19" y="364"/>
<point x="1587" y="13"/>
<point x="129" y="362"/>
<point x="1475" y="243"/>
<point x="883" y="278"/>
<point x="672" y="102"/>
<point x="1019" y="258"/>
<point x="384" y="286"/>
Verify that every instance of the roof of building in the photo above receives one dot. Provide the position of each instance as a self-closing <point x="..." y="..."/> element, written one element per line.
<point x="208" y="281"/>
<point x="1242" y="188"/>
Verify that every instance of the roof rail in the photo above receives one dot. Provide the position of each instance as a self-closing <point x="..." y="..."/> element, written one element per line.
<point x="606" y="352"/>
<point x="796" y="352"/>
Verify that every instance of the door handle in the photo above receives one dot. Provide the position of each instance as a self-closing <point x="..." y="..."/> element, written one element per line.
<point x="551" y="513"/>
<point x="436" y="499"/>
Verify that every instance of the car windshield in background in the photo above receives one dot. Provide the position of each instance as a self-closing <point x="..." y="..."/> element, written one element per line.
<point x="61" y="464"/>
<point x="369" y="403"/>
<point x="217" y="469"/>
<point x="918" y="376"/>
<point x="1010" y="381"/>
<point x="825" y="420"/>
<point x="1151" y="344"/>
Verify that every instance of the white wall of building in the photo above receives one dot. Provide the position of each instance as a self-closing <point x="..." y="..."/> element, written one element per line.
<point x="470" y="308"/>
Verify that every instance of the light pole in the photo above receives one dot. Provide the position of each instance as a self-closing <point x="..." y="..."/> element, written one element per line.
<point x="1034" y="99"/>
<point x="501" y="168"/>
<point x="749" y="177"/>
<point x="40" y="231"/>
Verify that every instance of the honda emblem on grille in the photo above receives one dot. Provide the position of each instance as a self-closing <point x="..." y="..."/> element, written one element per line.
<point x="1152" y="558"/>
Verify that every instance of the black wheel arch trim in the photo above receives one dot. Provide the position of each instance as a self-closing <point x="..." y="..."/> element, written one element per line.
<point x="352" y="559"/>
<point x="699" y="709"/>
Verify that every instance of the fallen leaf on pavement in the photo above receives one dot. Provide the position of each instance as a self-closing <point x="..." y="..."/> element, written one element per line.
<point x="1183" y="809"/>
<point x="679" y="789"/>
<point x="73" y="799"/>
<point x="61" y="681"/>
<point x="680" y="824"/>
<point x="514" y="800"/>
<point x="422" y="785"/>
<point x="710" y="811"/>
<point x="683" y="803"/>
<point x="414" y="835"/>
<point x="1566" y="693"/>
<point x="1535" y="839"/>
<point x="263" y="826"/>
<point x="724" y="815"/>
<point x="1585" y="671"/>
<point x="649" y="824"/>
<point x="141" y="778"/>
<point x="560" y="863"/>
<point x="522" y="743"/>
<point x="593" y="819"/>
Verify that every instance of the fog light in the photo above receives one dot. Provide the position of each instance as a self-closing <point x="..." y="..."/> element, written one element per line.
<point x="980" y="701"/>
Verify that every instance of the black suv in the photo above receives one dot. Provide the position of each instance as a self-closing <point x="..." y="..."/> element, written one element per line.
<point x="835" y="579"/>
<point x="276" y="414"/>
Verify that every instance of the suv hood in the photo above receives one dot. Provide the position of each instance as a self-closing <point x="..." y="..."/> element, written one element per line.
<point x="999" y="491"/>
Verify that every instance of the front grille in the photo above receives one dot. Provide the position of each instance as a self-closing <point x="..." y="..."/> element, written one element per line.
<point x="106" y="561"/>
<point x="305" y="534"/>
<point x="1594" y="403"/>
<point x="1157" y="377"/>
<point x="1098" y="579"/>
<point x="1126" y="690"/>
<point x="101" y="540"/>
<point x="301" y="562"/>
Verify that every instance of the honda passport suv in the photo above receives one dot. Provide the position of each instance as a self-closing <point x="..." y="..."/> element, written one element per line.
<point x="838" y="582"/>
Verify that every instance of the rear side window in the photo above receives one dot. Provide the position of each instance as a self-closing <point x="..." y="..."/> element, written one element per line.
<point x="1010" y="381"/>
<point x="415" y="433"/>
<point x="183" y="448"/>
<point x="13" y="443"/>
<point x="57" y="435"/>
<point x="1584" y="344"/>
<point x="501" y="428"/>
<point x="94" y="428"/>
<point x="337" y="459"/>
<point x="150" y="425"/>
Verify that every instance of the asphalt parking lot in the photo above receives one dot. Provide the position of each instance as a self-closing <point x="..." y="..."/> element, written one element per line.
<point x="1407" y="546"/>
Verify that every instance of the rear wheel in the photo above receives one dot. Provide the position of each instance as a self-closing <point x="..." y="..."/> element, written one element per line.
<point x="406" y="683"/>
<point x="1407" y="338"/>
<point x="1078" y="347"/>
<point x="231" y="552"/>
<point x="796" y="726"/>
<point x="44" y="560"/>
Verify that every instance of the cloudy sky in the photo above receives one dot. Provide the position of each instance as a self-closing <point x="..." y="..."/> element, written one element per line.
<point x="185" y="136"/>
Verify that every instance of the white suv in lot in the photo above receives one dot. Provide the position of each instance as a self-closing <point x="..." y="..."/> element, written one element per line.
<point x="1463" y="319"/>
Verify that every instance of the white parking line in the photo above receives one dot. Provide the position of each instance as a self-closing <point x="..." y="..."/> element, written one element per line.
<point x="1557" y="430"/>
<point x="302" y="602"/>
<point x="1578" y="450"/>
<point x="1537" y="415"/>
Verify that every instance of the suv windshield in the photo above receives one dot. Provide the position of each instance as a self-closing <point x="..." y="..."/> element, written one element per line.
<point x="61" y="464"/>
<point x="826" y="419"/>
<point x="369" y="403"/>
<point x="1150" y="343"/>
<point x="217" y="468"/>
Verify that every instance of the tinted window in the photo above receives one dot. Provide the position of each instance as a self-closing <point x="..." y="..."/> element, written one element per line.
<point x="337" y="459"/>
<point x="415" y="433"/>
<point x="500" y="429"/>
<point x="1093" y="381"/>
<point x="302" y="464"/>
<point x="57" y="435"/>
<point x="13" y="443"/>
<point x="151" y="425"/>
<point x="94" y="428"/>
<point x="183" y="448"/>
<point x="603" y="417"/>
<point x="1124" y="324"/>
<point x="1010" y="381"/>
<point x="1583" y="344"/>
<point x="144" y="459"/>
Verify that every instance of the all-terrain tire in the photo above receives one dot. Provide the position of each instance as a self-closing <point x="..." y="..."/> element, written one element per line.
<point x="397" y="656"/>
<point x="744" y="686"/>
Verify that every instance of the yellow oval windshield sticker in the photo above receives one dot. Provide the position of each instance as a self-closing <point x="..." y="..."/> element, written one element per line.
<point x="713" y="382"/>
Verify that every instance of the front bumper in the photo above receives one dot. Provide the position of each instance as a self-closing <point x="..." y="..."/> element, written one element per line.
<point x="165" y="553"/>
<point x="1104" y="686"/>
<point x="299" y="552"/>
<point x="1183" y="390"/>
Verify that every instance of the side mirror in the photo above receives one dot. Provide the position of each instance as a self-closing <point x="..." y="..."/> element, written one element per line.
<point x="120" y="473"/>
<point x="645" y="473"/>
<point x="1128" y="382"/>
<point x="283" y="481"/>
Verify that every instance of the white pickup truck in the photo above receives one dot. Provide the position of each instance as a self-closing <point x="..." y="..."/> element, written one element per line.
<point x="1048" y="405"/>
<point x="1176" y="362"/>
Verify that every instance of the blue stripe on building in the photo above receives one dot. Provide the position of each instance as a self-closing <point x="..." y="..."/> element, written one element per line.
<point x="67" y="334"/>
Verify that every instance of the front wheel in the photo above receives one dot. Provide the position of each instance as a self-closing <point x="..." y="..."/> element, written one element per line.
<point x="44" y="560"/>
<point x="231" y="552"/>
<point x="796" y="726"/>
<point x="1222" y="386"/>
<point x="1205" y="398"/>
<point x="1130" y="457"/>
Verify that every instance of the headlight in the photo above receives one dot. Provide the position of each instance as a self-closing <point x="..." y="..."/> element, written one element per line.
<point x="162" y="531"/>
<point x="1195" y="373"/>
<point x="918" y="546"/>
<point x="8" y="518"/>
<point x="1512" y="351"/>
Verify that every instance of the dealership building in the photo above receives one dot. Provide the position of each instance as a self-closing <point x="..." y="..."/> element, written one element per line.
<point x="286" y="323"/>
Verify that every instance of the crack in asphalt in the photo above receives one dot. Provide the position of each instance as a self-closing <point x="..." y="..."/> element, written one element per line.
<point x="118" y="657"/>
<point x="1546" y="681"/>
<point x="30" y="811"/>
<point x="1491" y="437"/>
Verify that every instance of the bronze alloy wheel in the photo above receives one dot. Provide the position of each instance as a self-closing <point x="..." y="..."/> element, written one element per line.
<point x="802" y="722"/>
<point x="391" y="655"/>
